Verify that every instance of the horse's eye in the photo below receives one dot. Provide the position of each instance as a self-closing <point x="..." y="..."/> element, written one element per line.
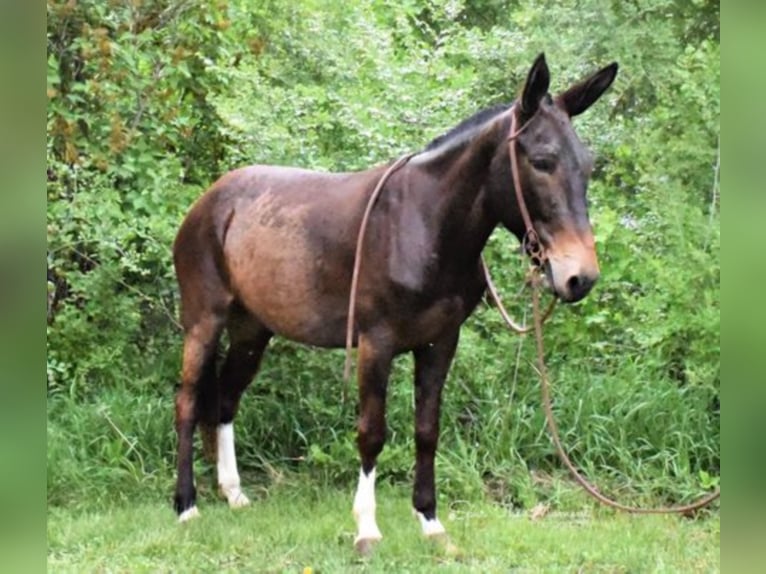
<point x="546" y="164"/>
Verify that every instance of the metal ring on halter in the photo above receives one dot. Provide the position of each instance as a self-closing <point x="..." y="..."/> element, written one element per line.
<point x="533" y="248"/>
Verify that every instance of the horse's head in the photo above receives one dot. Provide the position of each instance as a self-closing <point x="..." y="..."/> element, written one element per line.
<point x="553" y="168"/>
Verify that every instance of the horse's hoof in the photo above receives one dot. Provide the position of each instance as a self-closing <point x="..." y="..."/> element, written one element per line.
<point x="188" y="514"/>
<point x="364" y="546"/>
<point x="453" y="551"/>
<point x="234" y="496"/>
<point x="237" y="499"/>
<point x="443" y="542"/>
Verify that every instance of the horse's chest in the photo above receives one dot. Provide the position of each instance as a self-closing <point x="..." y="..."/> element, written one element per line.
<point x="420" y="326"/>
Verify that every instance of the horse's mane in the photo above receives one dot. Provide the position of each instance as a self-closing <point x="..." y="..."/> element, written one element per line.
<point x="468" y="125"/>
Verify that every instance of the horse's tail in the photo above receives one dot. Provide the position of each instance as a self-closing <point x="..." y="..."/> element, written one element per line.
<point x="205" y="295"/>
<point x="209" y="434"/>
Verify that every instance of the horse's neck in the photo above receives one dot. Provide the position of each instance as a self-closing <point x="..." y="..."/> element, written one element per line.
<point x="461" y="212"/>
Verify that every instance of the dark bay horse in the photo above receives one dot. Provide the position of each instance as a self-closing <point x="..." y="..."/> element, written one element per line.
<point x="269" y="250"/>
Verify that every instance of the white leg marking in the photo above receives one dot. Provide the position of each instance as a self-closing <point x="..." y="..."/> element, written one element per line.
<point x="430" y="527"/>
<point x="364" y="508"/>
<point x="188" y="514"/>
<point x="228" y="477"/>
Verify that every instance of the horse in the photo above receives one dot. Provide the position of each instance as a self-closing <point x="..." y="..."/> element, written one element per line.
<point x="269" y="250"/>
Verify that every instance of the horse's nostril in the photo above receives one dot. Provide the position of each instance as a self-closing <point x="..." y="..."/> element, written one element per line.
<point x="573" y="283"/>
<point x="578" y="286"/>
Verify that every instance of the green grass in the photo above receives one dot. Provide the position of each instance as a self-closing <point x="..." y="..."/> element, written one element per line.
<point x="110" y="476"/>
<point x="291" y="527"/>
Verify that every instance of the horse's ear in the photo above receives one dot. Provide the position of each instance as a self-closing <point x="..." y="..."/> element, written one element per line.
<point x="582" y="95"/>
<point x="536" y="86"/>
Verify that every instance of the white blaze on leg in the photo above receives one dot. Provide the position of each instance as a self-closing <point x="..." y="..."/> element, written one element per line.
<point x="364" y="508"/>
<point x="188" y="514"/>
<point x="430" y="527"/>
<point x="228" y="477"/>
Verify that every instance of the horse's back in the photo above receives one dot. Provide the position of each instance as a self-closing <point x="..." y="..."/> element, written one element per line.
<point x="280" y="241"/>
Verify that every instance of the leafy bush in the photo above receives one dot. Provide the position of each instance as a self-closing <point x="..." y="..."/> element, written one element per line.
<point x="149" y="102"/>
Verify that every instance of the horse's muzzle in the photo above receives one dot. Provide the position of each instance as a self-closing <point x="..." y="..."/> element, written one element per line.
<point x="570" y="279"/>
<point x="577" y="287"/>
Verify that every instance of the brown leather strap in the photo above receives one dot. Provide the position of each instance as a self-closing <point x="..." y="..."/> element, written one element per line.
<point x="512" y="325"/>
<point x="554" y="432"/>
<point x="358" y="262"/>
<point x="530" y="241"/>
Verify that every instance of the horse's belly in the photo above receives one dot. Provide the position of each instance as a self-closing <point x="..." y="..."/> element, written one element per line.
<point x="288" y="285"/>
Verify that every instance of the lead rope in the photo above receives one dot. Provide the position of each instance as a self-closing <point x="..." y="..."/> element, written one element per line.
<point x="513" y="325"/>
<point x="357" y="264"/>
<point x="553" y="429"/>
<point x="537" y="254"/>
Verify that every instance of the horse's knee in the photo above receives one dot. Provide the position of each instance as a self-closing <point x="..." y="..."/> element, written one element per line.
<point x="371" y="437"/>
<point x="426" y="436"/>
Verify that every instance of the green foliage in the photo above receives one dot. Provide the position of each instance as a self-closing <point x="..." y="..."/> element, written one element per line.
<point x="132" y="136"/>
<point x="150" y="101"/>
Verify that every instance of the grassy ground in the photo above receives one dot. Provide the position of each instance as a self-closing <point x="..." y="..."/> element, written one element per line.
<point x="292" y="529"/>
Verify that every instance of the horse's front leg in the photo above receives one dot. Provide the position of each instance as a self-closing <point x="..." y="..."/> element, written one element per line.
<point x="374" y="365"/>
<point x="432" y="363"/>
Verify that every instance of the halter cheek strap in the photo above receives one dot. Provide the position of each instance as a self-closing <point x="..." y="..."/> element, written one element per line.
<point x="530" y="241"/>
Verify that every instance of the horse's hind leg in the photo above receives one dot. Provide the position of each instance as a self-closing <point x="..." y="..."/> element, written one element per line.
<point x="248" y="341"/>
<point x="374" y="360"/>
<point x="197" y="387"/>
<point x="205" y="301"/>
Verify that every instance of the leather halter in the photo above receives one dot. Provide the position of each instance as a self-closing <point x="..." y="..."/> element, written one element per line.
<point x="530" y="241"/>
